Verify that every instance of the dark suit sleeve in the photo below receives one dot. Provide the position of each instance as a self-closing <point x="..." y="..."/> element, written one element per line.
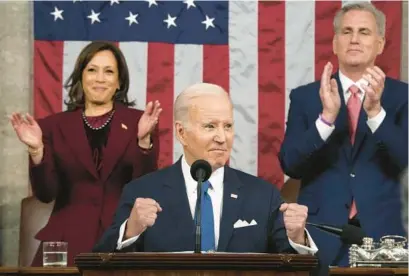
<point x="149" y="157"/>
<point x="278" y="240"/>
<point x="109" y="240"/>
<point x="392" y="136"/>
<point x="301" y="141"/>
<point x="44" y="176"/>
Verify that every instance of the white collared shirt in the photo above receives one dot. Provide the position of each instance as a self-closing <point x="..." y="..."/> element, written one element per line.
<point x="347" y="83"/>
<point x="216" y="194"/>
<point x="373" y="123"/>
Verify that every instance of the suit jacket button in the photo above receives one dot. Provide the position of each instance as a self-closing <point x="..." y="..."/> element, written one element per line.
<point x="352" y="175"/>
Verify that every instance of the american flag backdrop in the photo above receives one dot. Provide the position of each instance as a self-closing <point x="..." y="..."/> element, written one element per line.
<point x="257" y="50"/>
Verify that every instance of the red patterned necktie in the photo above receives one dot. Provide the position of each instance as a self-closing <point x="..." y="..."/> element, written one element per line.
<point x="354" y="108"/>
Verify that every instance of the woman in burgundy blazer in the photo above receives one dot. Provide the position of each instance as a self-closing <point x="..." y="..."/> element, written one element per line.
<point x="82" y="158"/>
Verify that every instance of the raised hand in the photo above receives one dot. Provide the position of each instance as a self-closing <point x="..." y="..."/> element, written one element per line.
<point x="27" y="130"/>
<point x="148" y="120"/>
<point x="373" y="91"/>
<point x="143" y="215"/>
<point x="331" y="101"/>
<point x="295" y="218"/>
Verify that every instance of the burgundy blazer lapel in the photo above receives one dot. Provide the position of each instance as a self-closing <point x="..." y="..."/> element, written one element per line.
<point x="123" y="129"/>
<point x="72" y="128"/>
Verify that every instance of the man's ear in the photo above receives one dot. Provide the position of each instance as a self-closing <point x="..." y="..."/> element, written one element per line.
<point x="334" y="45"/>
<point x="180" y="132"/>
<point x="381" y="45"/>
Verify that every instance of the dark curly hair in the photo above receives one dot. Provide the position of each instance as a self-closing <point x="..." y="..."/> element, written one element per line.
<point x="74" y="85"/>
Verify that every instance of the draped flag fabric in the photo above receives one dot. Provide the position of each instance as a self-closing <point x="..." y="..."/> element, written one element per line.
<point x="257" y="50"/>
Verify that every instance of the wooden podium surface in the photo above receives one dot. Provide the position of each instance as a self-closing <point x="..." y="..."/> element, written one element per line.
<point x="39" y="271"/>
<point x="367" y="271"/>
<point x="73" y="271"/>
<point x="181" y="264"/>
<point x="163" y="264"/>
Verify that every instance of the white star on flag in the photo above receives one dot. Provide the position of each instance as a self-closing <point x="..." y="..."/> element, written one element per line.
<point x="114" y="2"/>
<point x="208" y="22"/>
<point x="94" y="17"/>
<point x="132" y="18"/>
<point x="57" y="14"/>
<point x="151" y="2"/>
<point x="189" y="3"/>
<point x="170" y="21"/>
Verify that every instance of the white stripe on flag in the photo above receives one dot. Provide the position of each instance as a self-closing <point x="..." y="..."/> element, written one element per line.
<point x="188" y="71"/>
<point x="243" y="45"/>
<point x="136" y="56"/>
<point x="353" y="1"/>
<point x="72" y="49"/>
<point x="299" y="47"/>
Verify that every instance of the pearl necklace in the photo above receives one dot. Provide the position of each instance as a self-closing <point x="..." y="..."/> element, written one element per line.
<point x="103" y="125"/>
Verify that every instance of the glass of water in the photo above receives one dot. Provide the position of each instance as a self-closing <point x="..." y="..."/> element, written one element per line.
<point x="55" y="254"/>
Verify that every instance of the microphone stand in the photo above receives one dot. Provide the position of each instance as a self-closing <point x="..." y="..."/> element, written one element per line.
<point x="327" y="228"/>
<point x="198" y="233"/>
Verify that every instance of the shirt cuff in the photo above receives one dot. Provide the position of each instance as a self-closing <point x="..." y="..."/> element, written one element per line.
<point x="302" y="249"/>
<point x="122" y="244"/>
<point x="376" y="121"/>
<point x="324" y="130"/>
<point x="146" y="151"/>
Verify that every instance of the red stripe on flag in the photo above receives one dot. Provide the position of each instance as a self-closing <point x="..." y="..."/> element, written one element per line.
<point x="271" y="98"/>
<point x="48" y="63"/>
<point x="216" y="65"/>
<point x="160" y="87"/>
<point x="324" y="17"/>
<point x="390" y="60"/>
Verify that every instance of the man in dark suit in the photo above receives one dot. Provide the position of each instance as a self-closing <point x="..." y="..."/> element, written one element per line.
<point x="240" y="212"/>
<point x="347" y="137"/>
<point x="404" y="198"/>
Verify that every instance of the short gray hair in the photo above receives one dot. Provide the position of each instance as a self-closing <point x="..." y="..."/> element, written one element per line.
<point x="361" y="6"/>
<point x="182" y="103"/>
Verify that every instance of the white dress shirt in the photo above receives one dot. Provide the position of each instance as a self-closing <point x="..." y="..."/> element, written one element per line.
<point x="216" y="194"/>
<point x="373" y="123"/>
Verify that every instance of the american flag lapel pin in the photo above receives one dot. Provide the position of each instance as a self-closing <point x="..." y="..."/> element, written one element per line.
<point x="124" y="126"/>
<point x="233" y="195"/>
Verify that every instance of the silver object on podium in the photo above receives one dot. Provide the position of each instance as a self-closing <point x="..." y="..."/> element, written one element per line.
<point x="390" y="251"/>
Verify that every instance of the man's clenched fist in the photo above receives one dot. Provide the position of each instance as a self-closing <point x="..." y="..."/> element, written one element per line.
<point x="143" y="215"/>
<point x="295" y="217"/>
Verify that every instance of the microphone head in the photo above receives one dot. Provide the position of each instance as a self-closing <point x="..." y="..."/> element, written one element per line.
<point x="201" y="169"/>
<point x="352" y="235"/>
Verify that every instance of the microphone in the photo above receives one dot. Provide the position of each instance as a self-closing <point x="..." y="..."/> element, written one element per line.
<point x="200" y="171"/>
<point x="349" y="234"/>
